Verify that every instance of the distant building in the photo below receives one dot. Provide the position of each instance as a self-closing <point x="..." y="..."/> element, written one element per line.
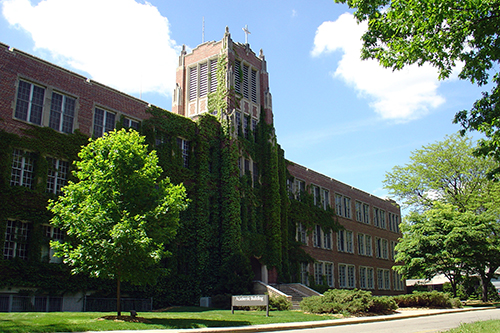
<point x="244" y="220"/>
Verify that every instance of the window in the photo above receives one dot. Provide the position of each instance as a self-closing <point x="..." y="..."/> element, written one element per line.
<point x="203" y="79"/>
<point x="347" y="207"/>
<point x="29" y="104"/>
<point x="52" y="233"/>
<point x="193" y="82"/>
<point x="380" y="279"/>
<point x="304" y="273"/>
<point x="289" y="188"/>
<point x="346" y="276"/>
<point x="317" y="236"/>
<point x="245" y="81"/>
<point x="160" y="139"/>
<point x="300" y="187"/>
<point x="362" y="277"/>
<point x="23" y="167"/>
<point x="387" y="279"/>
<point x="131" y="123"/>
<point x="104" y="121"/>
<point x="184" y="147"/>
<point x="316" y="195"/>
<point x="368" y="245"/>
<point x="57" y="175"/>
<point x="393" y="222"/>
<point x="254" y="86"/>
<point x="237" y="76"/>
<point x="245" y="126"/>
<point x="376" y="221"/>
<point x="329" y="273"/>
<point x="327" y="240"/>
<point x="398" y="281"/>
<point x="345" y="241"/>
<point x="385" y="249"/>
<point x="392" y="247"/>
<point x="213" y="75"/>
<point x="326" y="198"/>
<point x="237" y="121"/>
<point x="383" y="279"/>
<point x="359" y="211"/>
<point x="318" y="273"/>
<point x="370" y="280"/>
<point x="301" y="234"/>
<point x="16" y="240"/>
<point x="382" y="218"/>
<point x="338" y="204"/>
<point x="254" y="125"/>
<point x="381" y="248"/>
<point x="366" y="213"/>
<point x="62" y="113"/>
<point x="361" y="244"/>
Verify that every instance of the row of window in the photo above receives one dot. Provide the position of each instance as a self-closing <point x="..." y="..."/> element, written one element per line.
<point x="345" y="242"/>
<point x="324" y="274"/>
<point x="245" y="127"/>
<point x="30" y="108"/>
<point x="22" y="172"/>
<point x="343" y="206"/>
<point x="16" y="240"/>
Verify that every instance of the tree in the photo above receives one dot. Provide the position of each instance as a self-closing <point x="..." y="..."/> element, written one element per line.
<point x="444" y="33"/>
<point x="118" y="215"/>
<point x="447" y="172"/>
<point x="444" y="240"/>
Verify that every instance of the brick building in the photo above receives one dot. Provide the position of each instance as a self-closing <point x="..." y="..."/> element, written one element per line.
<point x="48" y="112"/>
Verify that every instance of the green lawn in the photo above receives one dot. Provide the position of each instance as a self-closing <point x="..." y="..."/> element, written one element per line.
<point x="489" y="326"/>
<point x="183" y="317"/>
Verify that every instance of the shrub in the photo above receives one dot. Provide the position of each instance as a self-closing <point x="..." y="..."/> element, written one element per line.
<point x="221" y="301"/>
<point x="432" y="299"/>
<point x="279" y="303"/>
<point x="383" y="304"/>
<point x="339" y="301"/>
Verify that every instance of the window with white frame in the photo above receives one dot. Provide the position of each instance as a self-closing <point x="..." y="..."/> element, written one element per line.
<point x="325" y="194"/>
<point x="328" y="267"/>
<point x="347" y="278"/>
<point x="317" y="236"/>
<point x="23" y="167"/>
<point x="368" y="245"/>
<point x="376" y="221"/>
<point x="370" y="279"/>
<point x="342" y="276"/>
<point x="383" y="279"/>
<point x="358" y="206"/>
<point x="392" y="247"/>
<point x="316" y="195"/>
<point x="237" y="122"/>
<point x="16" y="240"/>
<point x="301" y="233"/>
<point x="381" y="248"/>
<point x="254" y="125"/>
<point x="387" y="279"/>
<point x="366" y="213"/>
<point x="393" y="222"/>
<point x="300" y="187"/>
<point x="382" y="219"/>
<point x="345" y="241"/>
<point x="57" y="175"/>
<point x="55" y="234"/>
<point x="127" y="122"/>
<point x="385" y="249"/>
<point x="347" y="207"/>
<point x="29" y="103"/>
<point x="327" y="240"/>
<point x="398" y="281"/>
<point x="351" y="276"/>
<point x="246" y="129"/>
<point x="362" y="277"/>
<point x="104" y="121"/>
<point x="62" y="113"/>
<point x="289" y="188"/>
<point x="361" y="244"/>
<point x="304" y="273"/>
<point x="184" y="147"/>
<point x="338" y="204"/>
<point x="318" y="273"/>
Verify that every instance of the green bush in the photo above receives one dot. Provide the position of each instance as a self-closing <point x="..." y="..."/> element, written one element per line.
<point x="279" y="303"/>
<point x="221" y="301"/>
<point x="430" y="299"/>
<point x="347" y="302"/>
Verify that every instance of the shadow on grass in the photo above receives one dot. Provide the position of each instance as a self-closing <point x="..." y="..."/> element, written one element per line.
<point x="177" y="323"/>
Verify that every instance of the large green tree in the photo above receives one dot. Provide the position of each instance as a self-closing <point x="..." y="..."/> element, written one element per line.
<point x="447" y="34"/>
<point x="119" y="214"/>
<point x="445" y="171"/>
<point x="445" y="240"/>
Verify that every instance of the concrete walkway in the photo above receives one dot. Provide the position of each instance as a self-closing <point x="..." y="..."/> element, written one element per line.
<point x="401" y="314"/>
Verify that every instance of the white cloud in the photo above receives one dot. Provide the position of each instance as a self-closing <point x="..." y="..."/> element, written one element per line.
<point x="294" y="13"/>
<point x="398" y="95"/>
<point x="120" y="43"/>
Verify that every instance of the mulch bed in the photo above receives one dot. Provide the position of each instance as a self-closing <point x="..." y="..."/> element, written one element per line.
<point x="129" y="319"/>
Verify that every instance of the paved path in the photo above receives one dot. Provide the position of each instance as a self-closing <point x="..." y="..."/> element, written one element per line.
<point x="329" y="325"/>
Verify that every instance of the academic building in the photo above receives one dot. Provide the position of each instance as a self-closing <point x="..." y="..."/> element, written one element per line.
<point x="256" y="222"/>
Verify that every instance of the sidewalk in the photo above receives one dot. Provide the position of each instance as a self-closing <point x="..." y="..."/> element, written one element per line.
<point x="402" y="314"/>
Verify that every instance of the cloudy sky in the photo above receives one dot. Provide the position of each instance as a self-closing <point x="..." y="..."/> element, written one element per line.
<point x="349" y="119"/>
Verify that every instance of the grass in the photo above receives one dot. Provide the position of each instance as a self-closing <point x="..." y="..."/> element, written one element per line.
<point x="489" y="326"/>
<point x="176" y="318"/>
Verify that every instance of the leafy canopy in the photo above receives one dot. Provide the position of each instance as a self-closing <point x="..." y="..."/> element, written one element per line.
<point x="446" y="34"/>
<point x="119" y="215"/>
<point x="448" y="172"/>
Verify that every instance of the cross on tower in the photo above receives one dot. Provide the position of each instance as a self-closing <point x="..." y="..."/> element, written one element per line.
<point x="247" y="32"/>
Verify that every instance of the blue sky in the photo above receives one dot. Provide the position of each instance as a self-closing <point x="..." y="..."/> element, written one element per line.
<point x="347" y="119"/>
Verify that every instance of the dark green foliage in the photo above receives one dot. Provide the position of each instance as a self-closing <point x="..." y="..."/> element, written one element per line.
<point x="279" y="303"/>
<point x="221" y="301"/>
<point x="428" y="299"/>
<point x="345" y="301"/>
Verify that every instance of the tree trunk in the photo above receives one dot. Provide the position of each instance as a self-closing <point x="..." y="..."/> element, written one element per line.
<point x="484" y="287"/>
<point x="118" y="300"/>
